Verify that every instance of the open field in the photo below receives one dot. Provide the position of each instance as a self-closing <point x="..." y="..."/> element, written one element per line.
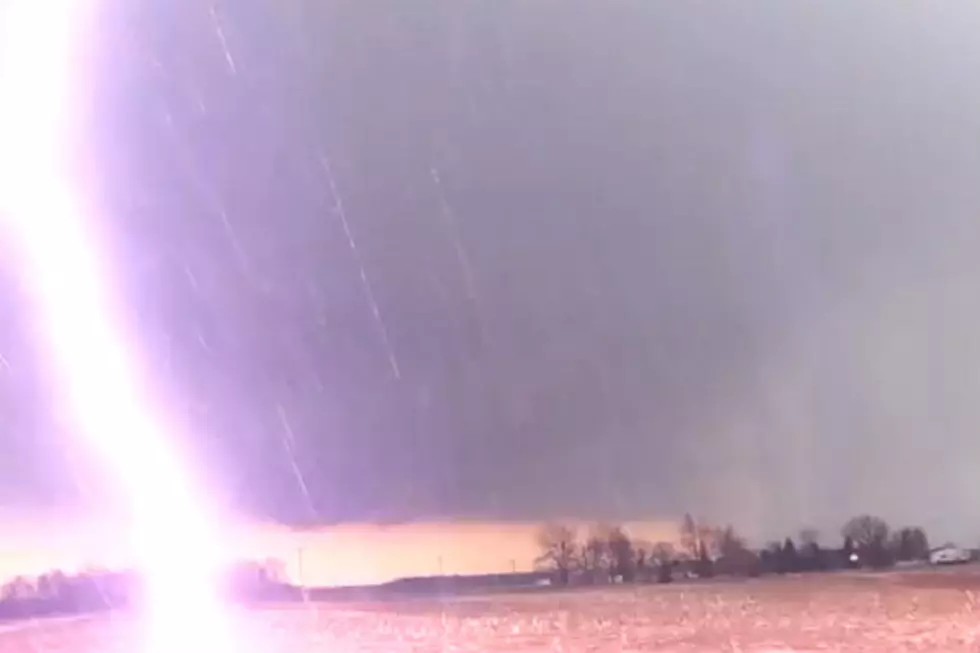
<point x="924" y="610"/>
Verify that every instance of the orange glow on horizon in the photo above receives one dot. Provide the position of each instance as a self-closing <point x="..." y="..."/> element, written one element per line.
<point x="351" y="554"/>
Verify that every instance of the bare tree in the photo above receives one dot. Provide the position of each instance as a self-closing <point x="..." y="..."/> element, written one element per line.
<point x="643" y="550"/>
<point x="622" y="556"/>
<point x="811" y="556"/>
<point x="704" y="565"/>
<point x="595" y="555"/>
<point x="870" y="536"/>
<point x="910" y="543"/>
<point x="730" y="543"/>
<point x="698" y="537"/>
<point x="769" y="556"/>
<point x="735" y="558"/>
<point x="866" y="531"/>
<point x="809" y="537"/>
<point x="664" y="555"/>
<point x="789" y="557"/>
<point x="690" y="543"/>
<point x="663" y="552"/>
<point x="20" y="587"/>
<point x="559" y="550"/>
<point x="710" y="537"/>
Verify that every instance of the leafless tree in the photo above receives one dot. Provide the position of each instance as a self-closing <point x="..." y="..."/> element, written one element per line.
<point x="643" y="549"/>
<point x="866" y="531"/>
<point x="689" y="537"/>
<point x="20" y="587"/>
<point x="697" y="536"/>
<point x="730" y="543"/>
<point x="663" y="553"/>
<point x="870" y="537"/>
<point x="909" y="544"/>
<point x="812" y="558"/>
<point x="622" y="556"/>
<point x="595" y="554"/>
<point x="809" y="537"/>
<point x="734" y="557"/>
<point x="559" y="550"/>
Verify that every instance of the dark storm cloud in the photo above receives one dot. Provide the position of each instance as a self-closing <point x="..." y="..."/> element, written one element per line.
<point x="630" y="259"/>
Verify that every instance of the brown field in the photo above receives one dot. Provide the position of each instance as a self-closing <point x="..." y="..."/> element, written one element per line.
<point x="924" y="610"/>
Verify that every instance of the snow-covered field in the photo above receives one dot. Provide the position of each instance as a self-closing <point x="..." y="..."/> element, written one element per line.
<point x="910" y="611"/>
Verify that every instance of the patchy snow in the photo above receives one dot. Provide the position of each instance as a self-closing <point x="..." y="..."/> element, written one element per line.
<point x="895" y="612"/>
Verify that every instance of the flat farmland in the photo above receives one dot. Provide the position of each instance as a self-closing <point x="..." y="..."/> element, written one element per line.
<point x="924" y="610"/>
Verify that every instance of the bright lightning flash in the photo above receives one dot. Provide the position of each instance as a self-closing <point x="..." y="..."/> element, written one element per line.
<point x="64" y="263"/>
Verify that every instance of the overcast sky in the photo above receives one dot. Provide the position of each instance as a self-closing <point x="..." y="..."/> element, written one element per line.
<point x="518" y="260"/>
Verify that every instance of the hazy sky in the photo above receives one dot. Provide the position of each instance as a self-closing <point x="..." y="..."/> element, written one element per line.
<point x="516" y="260"/>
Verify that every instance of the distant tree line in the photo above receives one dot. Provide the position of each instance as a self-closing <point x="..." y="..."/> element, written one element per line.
<point x="94" y="590"/>
<point x="606" y="553"/>
<point x="58" y="593"/>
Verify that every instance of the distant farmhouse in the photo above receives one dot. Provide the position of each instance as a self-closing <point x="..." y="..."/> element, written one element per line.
<point x="950" y="554"/>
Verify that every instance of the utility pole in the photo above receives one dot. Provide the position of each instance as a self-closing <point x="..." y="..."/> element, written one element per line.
<point x="299" y="566"/>
<point x="299" y="575"/>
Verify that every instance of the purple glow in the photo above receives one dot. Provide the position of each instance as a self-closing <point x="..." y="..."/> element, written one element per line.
<point x="64" y="262"/>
